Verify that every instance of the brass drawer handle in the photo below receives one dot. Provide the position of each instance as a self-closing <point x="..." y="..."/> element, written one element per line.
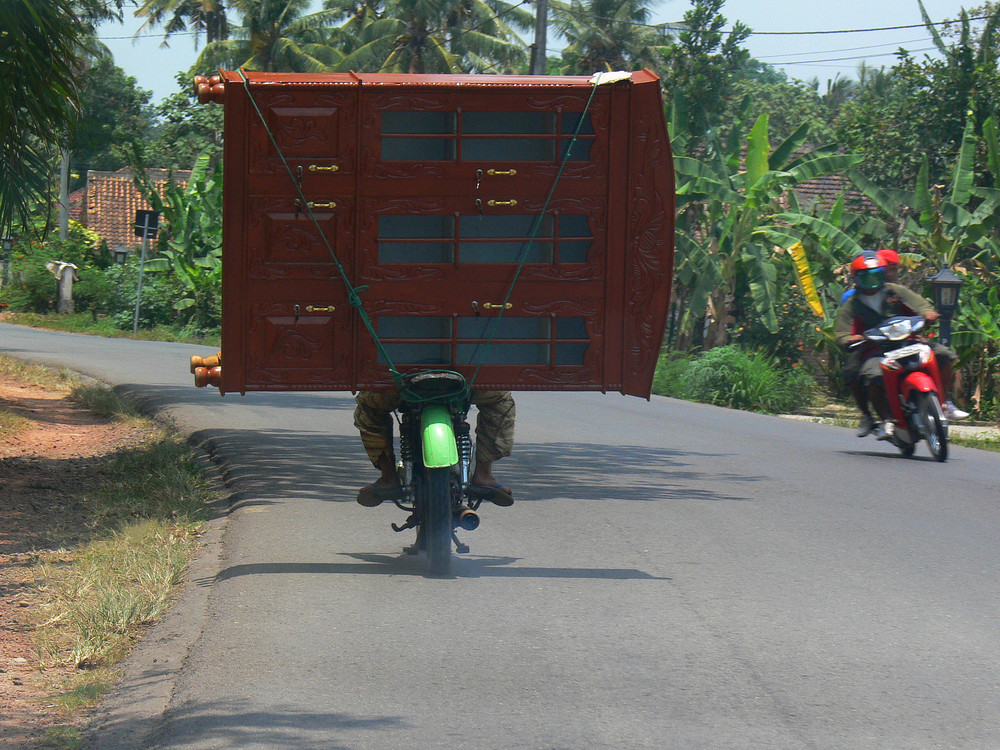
<point x="501" y="172"/>
<point x="320" y="168"/>
<point x="327" y="309"/>
<point x="492" y="202"/>
<point x="328" y="204"/>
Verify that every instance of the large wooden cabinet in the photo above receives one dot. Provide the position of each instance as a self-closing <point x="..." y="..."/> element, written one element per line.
<point x="429" y="191"/>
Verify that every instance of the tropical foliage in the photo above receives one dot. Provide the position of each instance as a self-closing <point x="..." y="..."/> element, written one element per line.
<point x="190" y="247"/>
<point x="41" y="50"/>
<point x="734" y="223"/>
<point x="607" y="35"/>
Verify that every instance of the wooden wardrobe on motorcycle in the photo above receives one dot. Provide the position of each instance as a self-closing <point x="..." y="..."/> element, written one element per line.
<point x="427" y="189"/>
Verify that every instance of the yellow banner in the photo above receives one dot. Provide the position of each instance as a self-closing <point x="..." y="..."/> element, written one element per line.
<point x="806" y="282"/>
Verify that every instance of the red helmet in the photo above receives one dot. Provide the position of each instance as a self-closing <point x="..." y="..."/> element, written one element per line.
<point x="869" y="271"/>
<point x="868" y="260"/>
<point x="891" y="257"/>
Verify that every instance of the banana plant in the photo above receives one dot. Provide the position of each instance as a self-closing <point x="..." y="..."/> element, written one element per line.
<point x="954" y="223"/>
<point x="191" y="244"/>
<point x="733" y="224"/>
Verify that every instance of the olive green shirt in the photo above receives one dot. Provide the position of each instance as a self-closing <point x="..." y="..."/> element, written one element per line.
<point x="898" y="300"/>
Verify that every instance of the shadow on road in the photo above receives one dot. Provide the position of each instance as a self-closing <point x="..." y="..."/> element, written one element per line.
<point x="276" y="465"/>
<point x="462" y="567"/>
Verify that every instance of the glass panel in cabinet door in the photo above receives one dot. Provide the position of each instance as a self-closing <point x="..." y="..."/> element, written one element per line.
<point x="417" y="136"/>
<point x="416" y="238"/>
<point x="504" y="238"/>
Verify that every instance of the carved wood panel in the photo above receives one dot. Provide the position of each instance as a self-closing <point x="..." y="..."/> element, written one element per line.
<point x="315" y="132"/>
<point x="283" y="242"/>
<point x="299" y="345"/>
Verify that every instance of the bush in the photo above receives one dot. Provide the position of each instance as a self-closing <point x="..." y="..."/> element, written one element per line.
<point x="158" y="296"/>
<point x="728" y="376"/>
<point x="32" y="288"/>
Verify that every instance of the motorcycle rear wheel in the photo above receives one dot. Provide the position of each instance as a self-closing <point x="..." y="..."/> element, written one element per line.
<point x="934" y="425"/>
<point x="437" y="520"/>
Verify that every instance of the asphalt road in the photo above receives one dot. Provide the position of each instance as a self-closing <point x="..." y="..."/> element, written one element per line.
<point x="672" y="575"/>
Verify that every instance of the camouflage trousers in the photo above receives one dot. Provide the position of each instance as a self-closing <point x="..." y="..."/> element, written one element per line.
<point x="494" y="424"/>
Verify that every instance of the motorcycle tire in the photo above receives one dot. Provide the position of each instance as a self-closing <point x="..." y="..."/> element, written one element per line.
<point x="934" y="425"/>
<point x="437" y="520"/>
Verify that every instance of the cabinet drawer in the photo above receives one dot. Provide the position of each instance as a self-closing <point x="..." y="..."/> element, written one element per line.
<point x="284" y="243"/>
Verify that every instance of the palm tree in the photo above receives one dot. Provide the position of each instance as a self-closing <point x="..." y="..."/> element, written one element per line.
<point x="438" y="36"/>
<point x="206" y="17"/>
<point x="42" y="49"/>
<point x="608" y="35"/>
<point x="274" y="35"/>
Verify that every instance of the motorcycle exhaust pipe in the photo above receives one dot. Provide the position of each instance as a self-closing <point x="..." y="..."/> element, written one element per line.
<point x="468" y="519"/>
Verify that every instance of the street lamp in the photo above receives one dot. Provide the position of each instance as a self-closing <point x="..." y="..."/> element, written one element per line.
<point x="946" y="285"/>
<point x="121" y="253"/>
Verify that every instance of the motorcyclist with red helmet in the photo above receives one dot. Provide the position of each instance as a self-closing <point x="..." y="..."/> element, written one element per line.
<point x="875" y="300"/>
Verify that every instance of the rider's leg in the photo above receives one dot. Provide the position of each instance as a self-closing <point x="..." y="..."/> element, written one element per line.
<point x="878" y="399"/>
<point x="871" y="377"/>
<point x="494" y="432"/>
<point x="373" y="418"/>
<point x="947" y="376"/>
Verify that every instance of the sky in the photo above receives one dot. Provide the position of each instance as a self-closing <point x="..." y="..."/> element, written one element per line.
<point x="784" y="36"/>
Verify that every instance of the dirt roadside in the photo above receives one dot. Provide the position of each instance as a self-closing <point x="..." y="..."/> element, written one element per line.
<point x="44" y="471"/>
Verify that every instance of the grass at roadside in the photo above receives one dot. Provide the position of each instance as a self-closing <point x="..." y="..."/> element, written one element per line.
<point x="126" y="530"/>
<point x="103" y="326"/>
<point x="11" y="424"/>
<point x="983" y="443"/>
<point x="46" y="377"/>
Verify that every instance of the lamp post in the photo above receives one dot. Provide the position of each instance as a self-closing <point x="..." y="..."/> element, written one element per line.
<point x="121" y="254"/>
<point x="946" y="285"/>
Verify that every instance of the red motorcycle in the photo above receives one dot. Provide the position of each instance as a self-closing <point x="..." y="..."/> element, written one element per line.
<point x="912" y="384"/>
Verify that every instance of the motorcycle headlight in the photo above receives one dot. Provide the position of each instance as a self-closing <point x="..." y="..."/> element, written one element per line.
<point x="898" y="330"/>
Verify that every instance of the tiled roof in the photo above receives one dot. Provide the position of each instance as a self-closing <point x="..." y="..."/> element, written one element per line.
<point x="825" y="190"/>
<point x="78" y="205"/>
<point x="112" y="200"/>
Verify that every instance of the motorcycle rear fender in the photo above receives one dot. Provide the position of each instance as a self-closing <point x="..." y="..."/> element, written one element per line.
<point x="437" y="437"/>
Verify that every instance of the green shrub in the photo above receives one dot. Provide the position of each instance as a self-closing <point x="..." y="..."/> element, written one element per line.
<point x="158" y="297"/>
<point x="670" y="378"/>
<point x="728" y="376"/>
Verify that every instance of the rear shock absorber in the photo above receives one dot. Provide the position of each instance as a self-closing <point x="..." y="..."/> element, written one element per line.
<point x="406" y="454"/>
<point x="464" y="444"/>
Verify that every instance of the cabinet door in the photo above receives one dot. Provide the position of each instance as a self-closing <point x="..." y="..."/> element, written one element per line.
<point x="316" y="131"/>
<point x="300" y="341"/>
<point x="452" y="143"/>
<point x="296" y="327"/>
<point x="446" y="287"/>
<point x="539" y="341"/>
<point x="283" y="242"/>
